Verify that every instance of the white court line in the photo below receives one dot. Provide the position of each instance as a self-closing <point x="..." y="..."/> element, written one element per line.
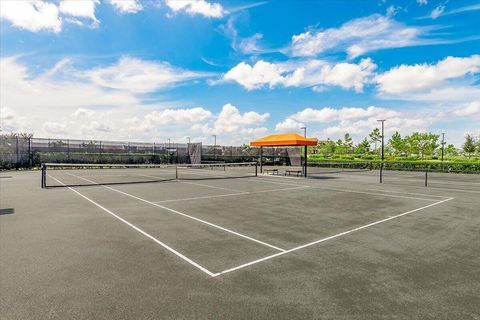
<point x="362" y="192"/>
<point x="193" y="263"/>
<point x="230" y="194"/>
<point x="210" y="186"/>
<point x="186" y="215"/>
<point x="329" y="238"/>
<point x="196" y="184"/>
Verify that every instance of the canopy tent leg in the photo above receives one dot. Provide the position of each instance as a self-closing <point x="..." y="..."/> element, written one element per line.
<point x="305" y="162"/>
<point x="261" y="159"/>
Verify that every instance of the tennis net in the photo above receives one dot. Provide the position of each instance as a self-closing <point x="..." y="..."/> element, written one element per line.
<point x="73" y="175"/>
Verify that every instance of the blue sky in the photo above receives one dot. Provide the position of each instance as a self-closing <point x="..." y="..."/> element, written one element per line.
<point x="152" y="70"/>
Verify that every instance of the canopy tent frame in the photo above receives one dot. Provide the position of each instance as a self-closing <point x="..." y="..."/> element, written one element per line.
<point x="284" y="140"/>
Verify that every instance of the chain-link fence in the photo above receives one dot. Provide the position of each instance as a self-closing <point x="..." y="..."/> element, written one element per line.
<point x="20" y="152"/>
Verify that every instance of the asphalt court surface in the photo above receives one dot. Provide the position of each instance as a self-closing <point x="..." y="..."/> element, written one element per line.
<point x="237" y="231"/>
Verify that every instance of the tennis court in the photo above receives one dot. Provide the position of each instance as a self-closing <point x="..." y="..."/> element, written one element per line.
<point x="220" y="241"/>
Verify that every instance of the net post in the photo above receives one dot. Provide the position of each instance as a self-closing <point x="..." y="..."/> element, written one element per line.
<point x="256" y="169"/>
<point x="176" y="172"/>
<point x="43" y="177"/>
<point x="381" y="172"/>
<point x="426" y="175"/>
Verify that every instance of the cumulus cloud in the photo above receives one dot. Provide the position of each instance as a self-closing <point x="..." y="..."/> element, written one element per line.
<point x="302" y="74"/>
<point x="80" y="9"/>
<point x="358" y="121"/>
<point x="52" y="104"/>
<point x="231" y="121"/>
<point x="427" y="81"/>
<point x="140" y="76"/>
<point x="40" y="15"/>
<point x="468" y="110"/>
<point x="289" y="125"/>
<point x="194" y="7"/>
<point x="358" y="37"/>
<point x="31" y="15"/>
<point x="126" y="6"/>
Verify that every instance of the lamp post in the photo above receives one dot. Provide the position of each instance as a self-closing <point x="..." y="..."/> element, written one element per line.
<point x="383" y="148"/>
<point x="443" y="144"/>
<point x="304" y="152"/>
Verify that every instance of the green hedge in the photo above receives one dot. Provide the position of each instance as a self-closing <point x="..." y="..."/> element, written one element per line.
<point x="437" y="166"/>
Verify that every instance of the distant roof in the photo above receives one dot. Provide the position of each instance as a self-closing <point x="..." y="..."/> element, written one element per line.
<point x="284" y="140"/>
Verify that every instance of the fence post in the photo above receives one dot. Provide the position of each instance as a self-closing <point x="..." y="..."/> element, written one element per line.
<point x="30" y="162"/>
<point x="68" y="150"/>
<point x="17" y="152"/>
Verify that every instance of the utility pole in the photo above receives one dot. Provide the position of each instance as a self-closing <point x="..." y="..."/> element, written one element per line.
<point x="383" y="148"/>
<point x="443" y="144"/>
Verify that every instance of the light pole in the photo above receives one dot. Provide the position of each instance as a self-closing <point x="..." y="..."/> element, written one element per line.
<point x="304" y="152"/>
<point x="214" y="146"/>
<point x="383" y="148"/>
<point x="443" y="144"/>
<point x="304" y="131"/>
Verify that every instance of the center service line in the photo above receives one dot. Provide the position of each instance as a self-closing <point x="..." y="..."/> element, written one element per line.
<point x="186" y="215"/>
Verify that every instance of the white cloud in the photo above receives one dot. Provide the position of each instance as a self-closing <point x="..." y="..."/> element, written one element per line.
<point x="83" y="113"/>
<point x="10" y="121"/>
<point x="179" y="116"/>
<point x="289" y="125"/>
<point x="471" y="109"/>
<point x="422" y="2"/>
<point x="358" y="37"/>
<point x="55" y="128"/>
<point x="233" y="126"/>
<point x="80" y="9"/>
<point x="328" y="114"/>
<point x="201" y="7"/>
<point x="302" y="74"/>
<point x="420" y="77"/>
<point x="140" y="76"/>
<point x="38" y="15"/>
<point x="254" y="77"/>
<point x="251" y="45"/>
<point x="31" y="15"/>
<point x="126" y="6"/>
<point x="437" y="12"/>
<point x="53" y="104"/>
<point x="331" y="122"/>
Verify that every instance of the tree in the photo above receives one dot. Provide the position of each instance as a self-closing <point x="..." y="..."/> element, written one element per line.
<point x="411" y="144"/>
<point x="469" y="145"/>
<point x="363" y="147"/>
<point x="427" y="143"/>
<point x="397" y="143"/>
<point x="478" y="145"/>
<point x="327" y="148"/>
<point x="375" y="137"/>
<point x="339" y="147"/>
<point x="451" y="150"/>
<point x="348" y="143"/>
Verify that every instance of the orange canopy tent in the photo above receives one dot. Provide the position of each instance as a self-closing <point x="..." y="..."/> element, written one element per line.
<point x="284" y="140"/>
